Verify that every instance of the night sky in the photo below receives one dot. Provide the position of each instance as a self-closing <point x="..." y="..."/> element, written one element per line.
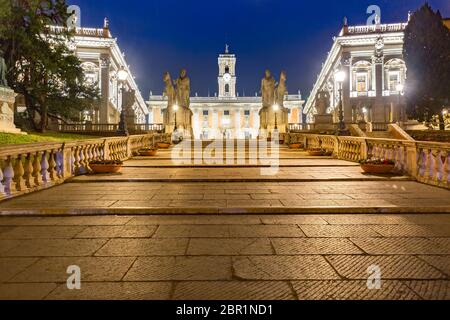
<point x="291" y="35"/>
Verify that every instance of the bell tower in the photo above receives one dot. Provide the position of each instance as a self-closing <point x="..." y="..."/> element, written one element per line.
<point x="227" y="74"/>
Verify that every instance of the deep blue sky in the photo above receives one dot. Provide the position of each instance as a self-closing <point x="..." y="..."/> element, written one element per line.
<point x="294" y="35"/>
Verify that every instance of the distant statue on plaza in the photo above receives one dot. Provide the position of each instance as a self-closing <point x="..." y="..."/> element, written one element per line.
<point x="268" y="90"/>
<point x="322" y="102"/>
<point x="281" y="90"/>
<point x="183" y="90"/>
<point x="169" y="90"/>
<point x="3" y="70"/>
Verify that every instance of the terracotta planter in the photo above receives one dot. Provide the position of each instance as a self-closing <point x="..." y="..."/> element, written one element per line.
<point x="163" y="145"/>
<point x="148" y="153"/>
<point x="105" y="168"/>
<point x="295" y="146"/>
<point x="378" y="168"/>
<point x="316" y="153"/>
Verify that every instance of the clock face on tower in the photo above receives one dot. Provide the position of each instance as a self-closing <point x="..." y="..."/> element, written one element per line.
<point x="227" y="77"/>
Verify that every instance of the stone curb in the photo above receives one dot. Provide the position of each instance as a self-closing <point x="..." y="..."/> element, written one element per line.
<point x="221" y="211"/>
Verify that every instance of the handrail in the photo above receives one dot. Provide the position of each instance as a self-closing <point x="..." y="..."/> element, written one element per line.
<point x="32" y="167"/>
<point x="427" y="162"/>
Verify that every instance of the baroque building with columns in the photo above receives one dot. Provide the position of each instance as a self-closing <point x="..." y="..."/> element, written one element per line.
<point x="372" y="58"/>
<point x="101" y="59"/>
<point x="226" y="114"/>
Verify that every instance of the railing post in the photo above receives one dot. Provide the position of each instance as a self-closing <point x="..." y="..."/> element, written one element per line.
<point x="129" y="148"/>
<point x="364" y="150"/>
<point x="106" y="155"/>
<point x="411" y="158"/>
<point x="66" y="162"/>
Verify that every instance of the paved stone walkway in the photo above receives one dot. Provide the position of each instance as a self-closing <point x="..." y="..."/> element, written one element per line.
<point x="302" y="184"/>
<point x="226" y="257"/>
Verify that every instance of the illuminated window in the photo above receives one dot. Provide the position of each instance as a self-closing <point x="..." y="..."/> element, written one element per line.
<point x="247" y="113"/>
<point x="226" y="113"/>
<point x="361" y="82"/>
<point x="393" y="81"/>
<point x="205" y="112"/>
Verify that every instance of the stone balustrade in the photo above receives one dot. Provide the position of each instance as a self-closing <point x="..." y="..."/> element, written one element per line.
<point x="31" y="167"/>
<point x="428" y="162"/>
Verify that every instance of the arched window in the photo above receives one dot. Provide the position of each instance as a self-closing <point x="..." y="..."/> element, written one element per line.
<point x="227" y="88"/>
<point x="227" y="69"/>
<point x="395" y="74"/>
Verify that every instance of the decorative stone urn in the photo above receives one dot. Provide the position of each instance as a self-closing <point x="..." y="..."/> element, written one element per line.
<point x="7" y="100"/>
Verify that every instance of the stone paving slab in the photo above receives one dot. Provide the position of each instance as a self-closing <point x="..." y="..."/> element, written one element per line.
<point x="352" y="290"/>
<point x="229" y="247"/>
<point x="52" y="247"/>
<point x="92" y="268"/>
<point x="180" y="268"/>
<point x="25" y="291"/>
<point x="115" y="291"/>
<point x="283" y="268"/>
<point x="143" y="247"/>
<point x="312" y="246"/>
<point x="233" y="290"/>
<point x="250" y="257"/>
<point x="356" y="267"/>
<point x="9" y="267"/>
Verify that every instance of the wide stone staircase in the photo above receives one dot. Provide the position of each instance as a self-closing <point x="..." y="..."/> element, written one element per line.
<point x="233" y="177"/>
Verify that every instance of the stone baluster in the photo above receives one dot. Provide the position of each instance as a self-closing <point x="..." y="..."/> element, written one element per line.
<point x="18" y="174"/>
<point x="59" y="158"/>
<point x="37" y="169"/>
<point x="2" y="187"/>
<point x="44" y="167"/>
<point x="446" y="169"/>
<point x="52" y="166"/>
<point x="76" y="161"/>
<point x="8" y="174"/>
<point x="28" y="175"/>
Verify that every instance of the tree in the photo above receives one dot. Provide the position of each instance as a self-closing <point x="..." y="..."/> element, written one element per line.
<point x="427" y="57"/>
<point x="41" y="66"/>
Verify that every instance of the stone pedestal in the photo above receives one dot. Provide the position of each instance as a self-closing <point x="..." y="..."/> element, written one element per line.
<point x="267" y="121"/>
<point x="324" y="122"/>
<point x="184" y="122"/>
<point x="7" y="100"/>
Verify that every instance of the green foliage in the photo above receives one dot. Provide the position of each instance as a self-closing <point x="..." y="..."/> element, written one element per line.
<point x="9" y="138"/>
<point x="41" y="66"/>
<point x="427" y="57"/>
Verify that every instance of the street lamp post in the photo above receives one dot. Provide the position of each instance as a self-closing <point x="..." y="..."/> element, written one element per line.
<point x="276" y="107"/>
<point x="122" y="76"/>
<point x="340" y="78"/>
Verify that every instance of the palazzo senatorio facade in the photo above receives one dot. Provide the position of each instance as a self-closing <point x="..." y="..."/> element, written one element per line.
<point x="226" y="114"/>
<point x="372" y="58"/>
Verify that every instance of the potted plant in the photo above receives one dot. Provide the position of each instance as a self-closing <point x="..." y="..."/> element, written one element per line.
<point x="148" y="152"/>
<point x="163" y="145"/>
<point x="106" y="166"/>
<point x="377" y="166"/>
<point x="296" y="145"/>
<point x="317" y="152"/>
